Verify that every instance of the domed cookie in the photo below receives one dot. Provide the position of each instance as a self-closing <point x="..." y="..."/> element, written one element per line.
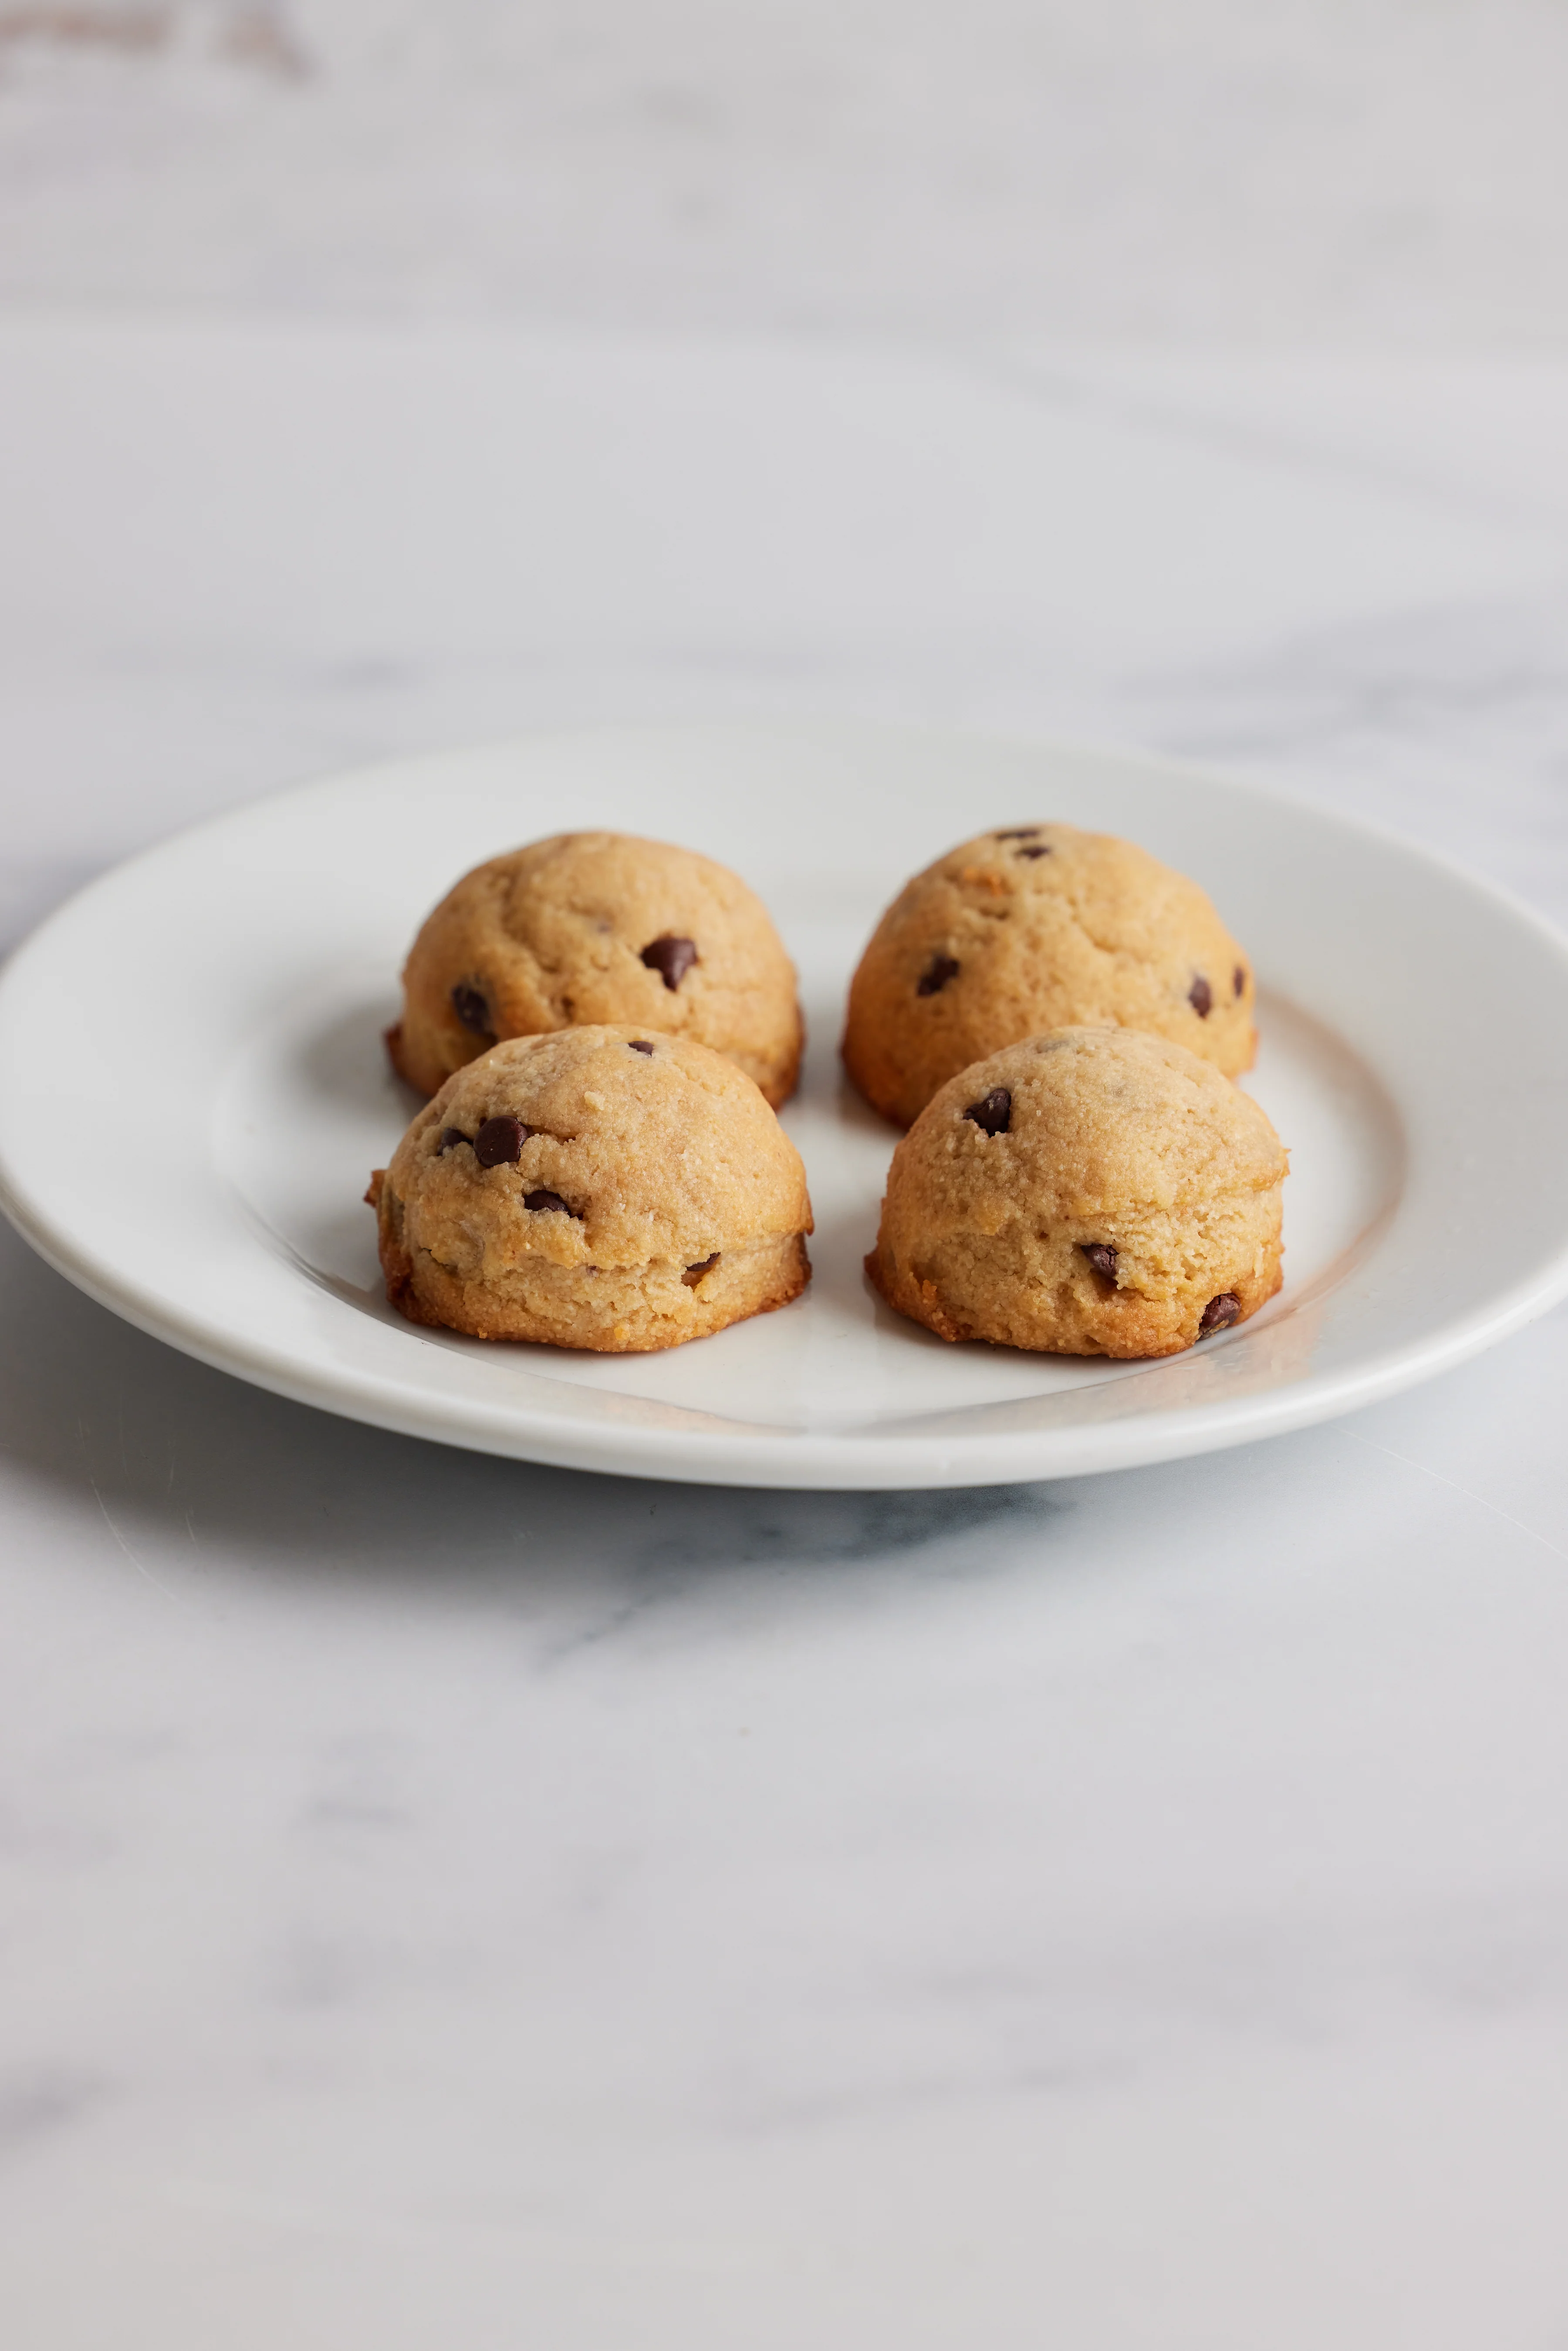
<point x="1093" y="1192"/>
<point x="598" y="1187"/>
<point x="1040" y="926"/>
<point x="597" y="926"/>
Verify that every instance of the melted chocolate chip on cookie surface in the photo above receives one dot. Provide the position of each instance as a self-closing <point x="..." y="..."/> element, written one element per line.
<point x="500" y="1142"/>
<point x="993" y="1114"/>
<point x="671" y="958"/>
<point x="936" y="975"/>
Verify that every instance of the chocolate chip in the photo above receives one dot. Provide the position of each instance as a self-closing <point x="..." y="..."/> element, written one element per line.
<point x="500" y="1141"/>
<point x="450" y="1137"/>
<point x="641" y="1045"/>
<point x="1219" y="1312"/>
<point x="1200" y="995"/>
<point x="1043" y="851"/>
<point x="1101" y="1257"/>
<point x="1240" y="978"/>
<point x="547" y="1200"/>
<point x="671" y="958"/>
<point x="992" y="1116"/>
<point x="936" y="975"/>
<point x="694" y="1274"/>
<point x="472" y="1009"/>
<point x="1018" y="833"/>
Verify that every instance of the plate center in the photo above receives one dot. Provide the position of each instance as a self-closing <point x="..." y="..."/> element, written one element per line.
<point x="308" y="1106"/>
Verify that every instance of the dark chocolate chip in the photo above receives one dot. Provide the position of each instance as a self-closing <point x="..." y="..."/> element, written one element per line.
<point x="548" y="1200"/>
<point x="936" y="975"/>
<point x="1219" y="1313"/>
<point x="472" y="1009"/>
<point x="1101" y="1257"/>
<point x="671" y="958"/>
<point x="1239" y="976"/>
<point x="1018" y="833"/>
<point x="1042" y="850"/>
<point x="450" y="1137"/>
<point x="694" y="1274"/>
<point x="641" y="1045"/>
<point x="1200" y="995"/>
<point x="992" y="1116"/>
<point x="500" y="1141"/>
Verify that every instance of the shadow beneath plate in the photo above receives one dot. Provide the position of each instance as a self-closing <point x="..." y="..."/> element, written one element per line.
<point x="193" y="1473"/>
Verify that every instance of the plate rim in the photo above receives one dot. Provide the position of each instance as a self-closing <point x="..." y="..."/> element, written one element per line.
<point x="806" y="1458"/>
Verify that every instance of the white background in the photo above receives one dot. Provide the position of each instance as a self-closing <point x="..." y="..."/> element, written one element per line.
<point x="443" y="1902"/>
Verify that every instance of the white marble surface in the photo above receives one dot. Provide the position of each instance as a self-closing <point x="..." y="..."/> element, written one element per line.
<point x="1376" y="173"/>
<point x="446" y="1902"/>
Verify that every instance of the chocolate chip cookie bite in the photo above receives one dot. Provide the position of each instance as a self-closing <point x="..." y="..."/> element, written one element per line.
<point x="589" y="927"/>
<point x="1032" y="927"/>
<point x="595" y="1187"/>
<point x="1092" y="1192"/>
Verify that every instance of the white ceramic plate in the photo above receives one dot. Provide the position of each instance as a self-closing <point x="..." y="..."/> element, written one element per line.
<point x="193" y="1093"/>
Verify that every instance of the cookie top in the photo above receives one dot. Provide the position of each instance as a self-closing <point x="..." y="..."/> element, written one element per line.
<point x="1034" y="928"/>
<point x="1097" y="1120"/>
<point x="601" y="1146"/>
<point x="1096" y="1190"/>
<point x="589" y="927"/>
